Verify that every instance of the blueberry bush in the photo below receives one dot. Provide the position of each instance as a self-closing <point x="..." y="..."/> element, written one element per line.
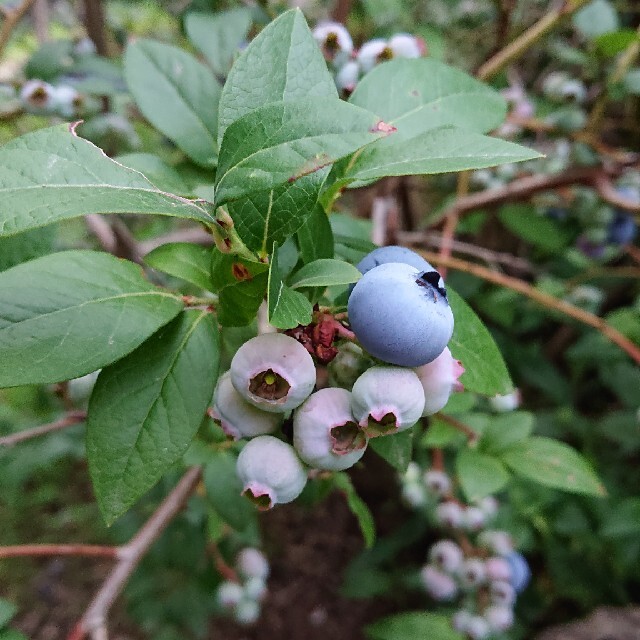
<point x="374" y="242"/>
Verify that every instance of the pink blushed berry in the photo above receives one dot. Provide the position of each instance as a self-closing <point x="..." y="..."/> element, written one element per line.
<point x="474" y="519"/>
<point x="437" y="483"/>
<point x="497" y="569"/>
<point x="449" y="514"/>
<point x="252" y="563"/>
<point x="498" y="618"/>
<point x="438" y="585"/>
<point x="446" y="555"/>
<point x="439" y="378"/>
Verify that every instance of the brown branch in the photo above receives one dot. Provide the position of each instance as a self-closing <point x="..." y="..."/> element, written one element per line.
<point x="73" y="417"/>
<point x="341" y="11"/>
<point x="522" y="43"/>
<point x="492" y="258"/>
<point x="11" y="19"/>
<point x="540" y="297"/>
<point x="471" y="435"/>
<point x="607" y="191"/>
<point x="523" y="188"/>
<point x="95" y="23"/>
<point x="36" y="550"/>
<point x="452" y="217"/>
<point x="94" y="618"/>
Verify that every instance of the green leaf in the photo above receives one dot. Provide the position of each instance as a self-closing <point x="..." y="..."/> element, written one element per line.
<point x="435" y="151"/>
<point x="412" y="625"/>
<point x="553" y="464"/>
<point x="273" y="216"/>
<point x="7" y="611"/>
<point x="282" y="142"/>
<point x="228" y="269"/>
<point x="422" y="94"/>
<point x="506" y="430"/>
<point x="480" y="474"/>
<point x="395" y="449"/>
<point x="541" y="231"/>
<point x="52" y="175"/>
<point x="145" y="409"/>
<point x="598" y="17"/>
<point x="441" y="434"/>
<point x="472" y="344"/>
<point x="623" y="520"/>
<point x="238" y="304"/>
<point x="283" y="62"/>
<point x="224" y="490"/>
<point x="163" y="176"/>
<point x="177" y="94"/>
<point x="358" y="507"/>
<point x="25" y="246"/>
<point x="324" y="273"/>
<point x="315" y="237"/>
<point x="287" y="308"/>
<point x="67" y="314"/>
<point x="218" y="36"/>
<point x="183" y="260"/>
<point x="615" y="42"/>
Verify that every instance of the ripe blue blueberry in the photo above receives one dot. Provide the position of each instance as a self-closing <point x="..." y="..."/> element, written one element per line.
<point x="392" y="253"/>
<point x="401" y="315"/>
<point x="387" y="400"/>
<point x="622" y="229"/>
<point x="325" y="434"/>
<point x="270" y="471"/>
<point x="520" y="571"/>
<point x="273" y="372"/>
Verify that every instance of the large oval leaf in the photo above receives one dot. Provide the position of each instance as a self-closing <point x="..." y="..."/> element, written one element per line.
<point x="283" y="62"/>
<point x="177" y="94"/>
<point x="145" y="409"/>
<point x="70" y="313"/>
<point x="422" y="94"/>
<point x="282" y="142"/>
<point x="472" y="344"/>
<point x="51" y="175"/>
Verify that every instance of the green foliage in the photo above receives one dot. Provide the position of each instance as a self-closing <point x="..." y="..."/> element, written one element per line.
<point x="411" y="625"/>
<point x="81" y="311"/>
<point x="358" y="508"/>
<point x="154" y="400"/>
<point x="397" y="450"/>
<point x="183" y="260"/>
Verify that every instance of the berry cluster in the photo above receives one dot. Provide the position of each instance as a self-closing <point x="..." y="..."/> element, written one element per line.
<point x="337" y="46"/>
<point x="480" y="565"/>
<point x="273" y="375"/>
<point x="243" y="597"/>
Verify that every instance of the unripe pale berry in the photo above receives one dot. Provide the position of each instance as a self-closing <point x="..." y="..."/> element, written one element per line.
<point x="38" y="97"/>
<point x="498" y="542"/>
<point x="502" y="593"/>
<point x="273" y="372"/>
<point x="438" y="585"/>
<point x="413" y="494"/>
<point x="255" y="589"/>
<point x="497" y="569"/>
<point x="498" y="618"/>
<point x="325" y="434"/>
<point x="347" y="76"/>
<point x="437" y="483"/>
<point x="461" y="619"/>
<point x="335" y="41"/>
<point x="67" y="101"/>
<point x="449" y="514"/>
<point x="474" y="518"/>
<point x="507" y="402"/>
<point x="412" y="474"/>
<point x="247" y="611"/>
<point x="401" y="315"/>
<point x="439" y="379"/>
<point x="472" y="573"/>
<point x="404" y="45"/>
<point x="251" y="563"/>
<point x="373" y="52"/>
<point x="387" y="400"/>
<point x="489" y="506"/>
<point x="237" y="417"/>
<point x="348" y="366"/>
<point x="478" y="628"/>
<point x="520" y="571"/>
<point x="446" y="555"/>
<point x="393" y="253"/>
<point x="270" y="471"/>
<point x="229" y="594"/>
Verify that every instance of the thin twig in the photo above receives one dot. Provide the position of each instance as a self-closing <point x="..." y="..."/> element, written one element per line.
<point x="73" y="417"/>
<point x="492" y="258"/>
<point x="607" y="191"/>
<point x="102" y="231"/>
<point x="523" y="188"/>
<point x="470" y="434"/>
<point x="540" y="297"/>
<point x="36" y="550"/>
<point x="94" y="619"/>
<point x="534" y="33"/>
<point x="10" y="21"/>
<point x="452" y="217"/>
